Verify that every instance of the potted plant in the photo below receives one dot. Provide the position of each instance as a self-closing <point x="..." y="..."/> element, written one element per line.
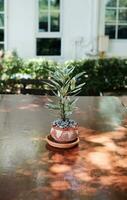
<point x="64" y="85"/>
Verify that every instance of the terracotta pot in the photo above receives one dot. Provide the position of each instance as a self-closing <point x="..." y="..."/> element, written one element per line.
<point x="62" y="135"/>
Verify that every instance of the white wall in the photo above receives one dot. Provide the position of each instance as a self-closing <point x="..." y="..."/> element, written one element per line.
<point x="80" y="29"/>
<point x="117" y="48"/>
<point x="20" y="27"/>
<point x="76" y="27"/>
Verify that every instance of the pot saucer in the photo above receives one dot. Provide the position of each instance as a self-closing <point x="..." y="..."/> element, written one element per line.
<point x="55" y="144"/>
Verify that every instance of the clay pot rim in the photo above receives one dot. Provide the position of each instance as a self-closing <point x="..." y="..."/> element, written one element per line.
<point x="65" y="129"/>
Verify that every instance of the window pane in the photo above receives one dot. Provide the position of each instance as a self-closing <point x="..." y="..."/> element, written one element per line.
<point x="55" y="22"/>
<point x="43" y="21"/>
<point x="111" y="3"/>
<point x="43" y="4"/>
<point x="1" y="20"/>
<point x="123" y="16"/>
<point x="1" y="46"/>
<point x="123" y="3"/>
<point x="1" y="35"/>
<point x="55" y="4"/>
<point x="43" y="15"/>
<point x="1" y="5"/>
<point x="110" y="31"/>
<point x="48" y="46"/>
<point x="111" y="15"/>
<point x="122" y="32"/>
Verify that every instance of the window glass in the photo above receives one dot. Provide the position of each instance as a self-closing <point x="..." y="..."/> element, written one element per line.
<point x="110" y="31"/>
<point x="1" y="46"/>
<point x="122" y="32"/>
<point x="1" y="5"/>
<point x="43" y="21"/>
<point x="111" y="15"/>
<point x="123" y="3"/>
<point x="116" y="19"/>
<point x="55" y="4"/>
<point x="48" y="42"/>
<point x="43" y="4"/>
<point x="111" y="3"/>
<point x="1" y="35"/>
<point x="48" y="46"/>
<point x="123" y="16"/>
<point x="43" y="15"/>
<point x="55" y="22"/>
<point x="1" y="20"/>
<point x="49" y="15"/>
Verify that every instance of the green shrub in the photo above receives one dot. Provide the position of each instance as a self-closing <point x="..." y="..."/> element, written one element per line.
<point x="101" y="74"/>
<point x="38" y="68"/>
<point x="112" y="73"/>
<point x="11" y="65"/>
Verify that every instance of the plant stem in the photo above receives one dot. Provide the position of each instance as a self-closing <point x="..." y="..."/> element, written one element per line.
<point x="62" y="110"/>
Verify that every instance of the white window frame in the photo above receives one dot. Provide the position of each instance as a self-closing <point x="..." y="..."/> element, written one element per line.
<point x="49" y="34"/>
<point x="102" y="19"/>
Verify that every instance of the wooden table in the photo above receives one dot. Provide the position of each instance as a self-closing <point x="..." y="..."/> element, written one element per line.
<point x="94" y="170"/>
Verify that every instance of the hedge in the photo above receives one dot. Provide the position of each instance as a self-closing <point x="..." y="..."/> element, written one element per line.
<point x="100" y="74"/>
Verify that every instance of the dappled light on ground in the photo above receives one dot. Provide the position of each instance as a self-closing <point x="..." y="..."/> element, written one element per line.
<point x="100" y="159"/>
<point x="60" y="168"/>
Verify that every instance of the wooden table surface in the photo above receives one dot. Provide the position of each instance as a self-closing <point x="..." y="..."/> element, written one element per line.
<point x="94" y="170"/>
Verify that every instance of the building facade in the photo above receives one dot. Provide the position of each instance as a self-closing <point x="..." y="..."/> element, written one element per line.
<point x="63" y="29"/>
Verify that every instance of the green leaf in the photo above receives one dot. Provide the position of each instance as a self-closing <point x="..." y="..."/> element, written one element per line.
<point x="78" y="75"/>
<point x="64" y="90"/>
<point x="73" y="82"/>
<point x="54" y="92"/>
<point x="80" y="86"/>
<point x="58" y="94"/>
<point x="72" y="102"/>
<point x="53" y="106"/>
<point x="49" y="84"/>
<point x="69" y="71"/>
<point x="55" y="83"/>
<point x="76" y="90"/>
<point x="68" y="113"/>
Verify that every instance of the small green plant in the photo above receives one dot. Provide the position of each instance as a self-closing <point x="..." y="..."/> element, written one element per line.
<point x="64" y="84"/>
